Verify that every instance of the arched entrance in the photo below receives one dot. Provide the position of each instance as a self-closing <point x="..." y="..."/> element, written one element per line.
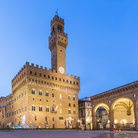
<point x="123" y="113"/>
<point x="101" y="116"/>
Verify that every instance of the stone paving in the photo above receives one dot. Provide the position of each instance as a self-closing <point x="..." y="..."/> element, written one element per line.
<point x="67" y="134"/>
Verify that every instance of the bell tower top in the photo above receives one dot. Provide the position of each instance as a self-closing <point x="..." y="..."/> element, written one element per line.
<point x="58" y="42"/>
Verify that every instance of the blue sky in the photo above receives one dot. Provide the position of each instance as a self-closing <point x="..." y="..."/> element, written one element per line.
<point x="102" y="40"/>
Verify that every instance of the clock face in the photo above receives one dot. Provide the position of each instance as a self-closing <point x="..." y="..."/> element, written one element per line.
<point x="61" y="70"/>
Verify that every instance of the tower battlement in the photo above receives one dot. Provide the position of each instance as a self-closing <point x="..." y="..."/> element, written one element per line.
<point x="57" y="18"/>
<point x="29" y="69"/>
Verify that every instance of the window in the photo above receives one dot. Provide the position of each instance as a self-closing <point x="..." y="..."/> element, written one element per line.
<point x="40" y="108"/>
<point x="73" y="105"/>
<point x="22" y="109"/>
<point x="46" y="119"/>
<point x="25" y="92"/>
<point x="77" y="83"/>
<point x="60" y="110"/>
<point x="33" y="91"/>
<point x="25" y="109"/>
<point x="19" y="96"/>
<point x="55" y="78"/>
<point x="40" y="92"/>
<point x="47" y="94"/>
<point x="69" y="105"/>
<point x="59" y="79"/>
<point x="69" y="97"/>
<point x="35" y="118"/>
<point x="73" y="98"/>
<point x="69" y="111"/>
<point x="67" y="81"/>
<point x="52" y="78"/>
<point x="60" y="96"/>
<point x="48" y="76"/>
<point x="70" y="82"/>
<point x="30" y="72"/>
<point x="74" y="112"/>
<point x="52" y="94"/>
<point x="22" y="94"/>
<point x="33" y="108"/>
<point x="63" y="80"/>
<point x="47" y="109"/>
<point x="53" y="118"/>
<point x="74" y="82"/>
<point x="35" y="73"/>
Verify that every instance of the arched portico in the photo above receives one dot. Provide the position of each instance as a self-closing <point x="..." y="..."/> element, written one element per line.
<point x="123" y="113"/>
<point x="94" y="116"/>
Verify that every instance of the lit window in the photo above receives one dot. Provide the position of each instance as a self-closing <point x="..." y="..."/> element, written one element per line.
<point x="40" y="92"/>
<point x="47" y="109"/>
<point x="33" y="91"/>
<point x="60" y="96"/>
<point x="69" y="97"/>
<point x="69" y="111"/>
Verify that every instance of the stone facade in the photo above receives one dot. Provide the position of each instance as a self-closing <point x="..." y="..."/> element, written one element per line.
<point x="41" y="97"/>
<point x="85" y="113"/>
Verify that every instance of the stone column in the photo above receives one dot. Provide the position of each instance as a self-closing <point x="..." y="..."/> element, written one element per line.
<point x="136" y="116"/>
<point x="94" y="121"/>
<point x="111" y="117"/>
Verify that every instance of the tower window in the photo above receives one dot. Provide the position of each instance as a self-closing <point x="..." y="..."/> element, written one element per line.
<point x="44" y="75"/>
<point x="30" y="72"/>
<point x="52" y="94"/>
<point x="69" y="105"/>
<point x="73" y="98"/>
<point x="48" y="76"/>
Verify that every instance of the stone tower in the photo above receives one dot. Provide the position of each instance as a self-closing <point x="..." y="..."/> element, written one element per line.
<point x="58" y="42"/>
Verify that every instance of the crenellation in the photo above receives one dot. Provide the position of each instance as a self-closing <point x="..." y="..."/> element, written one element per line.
<point x="37" y="66"/>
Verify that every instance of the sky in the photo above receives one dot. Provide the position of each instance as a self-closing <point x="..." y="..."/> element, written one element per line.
<point x="102" y="40"/>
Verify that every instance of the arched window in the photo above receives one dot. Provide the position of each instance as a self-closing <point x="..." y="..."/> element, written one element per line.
<point x="47" y="109"/>
<point x="69" y="97"/>
<point x="40" y="108"/>
<point x="40" y="92"/>
<point x="33" y="91"/>
<point x="33" y="107"/>
<point x="47" y="94"/>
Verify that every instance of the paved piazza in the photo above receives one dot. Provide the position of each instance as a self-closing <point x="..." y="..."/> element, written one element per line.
<point x="67" y="134"/>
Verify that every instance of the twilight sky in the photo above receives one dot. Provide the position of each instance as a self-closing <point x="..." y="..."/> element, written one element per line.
<point x="102" y="40"/>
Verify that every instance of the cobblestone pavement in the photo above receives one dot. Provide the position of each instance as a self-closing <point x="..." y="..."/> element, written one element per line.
<point x="67" y="134"/>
